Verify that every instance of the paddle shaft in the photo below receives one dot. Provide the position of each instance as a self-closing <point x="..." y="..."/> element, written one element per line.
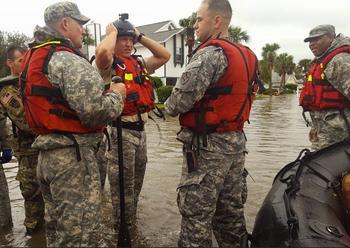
<point x="124" y="236"/>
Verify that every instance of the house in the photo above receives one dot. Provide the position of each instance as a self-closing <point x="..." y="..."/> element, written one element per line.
<point x="276" y="79"/>
<point x="172" y="38"/>
<point x="166" y="33"/>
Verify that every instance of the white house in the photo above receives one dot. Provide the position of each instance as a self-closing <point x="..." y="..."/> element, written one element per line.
<point x="166" y="33"/>
<point x="172" y="38"/>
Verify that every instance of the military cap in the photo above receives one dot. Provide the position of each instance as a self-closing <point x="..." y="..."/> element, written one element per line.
<point x="61" y="9"/>
<point x="321" y="30"/>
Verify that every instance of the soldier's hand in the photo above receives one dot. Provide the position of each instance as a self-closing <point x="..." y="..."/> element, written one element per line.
<point x="119" y="87"/>
<point x="6" y="156"/>
<point x="111" y="29"/>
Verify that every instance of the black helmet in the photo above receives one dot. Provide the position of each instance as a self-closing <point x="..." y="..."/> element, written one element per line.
<point x="124" y="27"/>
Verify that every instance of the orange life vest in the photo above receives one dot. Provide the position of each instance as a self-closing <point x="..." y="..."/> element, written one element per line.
<point x="45" y="108"/>
<point x="226" y="106"/>
<point x="318" y="93"/>
<point x="139" y="89"/>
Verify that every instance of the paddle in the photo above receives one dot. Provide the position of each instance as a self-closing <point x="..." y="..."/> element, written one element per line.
<point x="124" y="236"/>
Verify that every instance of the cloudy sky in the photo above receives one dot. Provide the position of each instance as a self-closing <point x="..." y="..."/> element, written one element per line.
<point x="286" y="22"/>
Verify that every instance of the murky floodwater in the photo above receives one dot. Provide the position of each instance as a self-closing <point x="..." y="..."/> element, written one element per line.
<point x="275" y="136"/>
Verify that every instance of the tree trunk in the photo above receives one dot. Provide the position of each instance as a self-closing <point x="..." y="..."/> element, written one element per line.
<point x="270" y="83"/>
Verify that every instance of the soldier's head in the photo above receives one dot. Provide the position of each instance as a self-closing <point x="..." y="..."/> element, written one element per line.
<point x="126" y="36"/>
<point x="213" y="19"/>
<point x="320" y="39"/>
<point x="14" y="58"/>
<point x="66" y="19"/>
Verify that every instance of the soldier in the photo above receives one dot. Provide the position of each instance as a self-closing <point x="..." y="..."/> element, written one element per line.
<point x="326" y="93"/>
<point x="65" y="103"/>
<point x="113" y="57"/>
<point x="5" y="207"/>
<point x="11" y="104"/>
<point x="213" y="97"/>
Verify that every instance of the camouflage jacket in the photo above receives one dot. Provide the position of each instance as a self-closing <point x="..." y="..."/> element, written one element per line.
<point x="204" y="70"/>
<point x="338" y="69"/>
<point x="83" y="88"/>
<point x="338" y="74"/>
<point x="5" y="141"/>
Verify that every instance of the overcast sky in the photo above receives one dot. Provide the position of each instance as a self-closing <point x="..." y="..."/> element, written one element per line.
<point x="286" y="22"/>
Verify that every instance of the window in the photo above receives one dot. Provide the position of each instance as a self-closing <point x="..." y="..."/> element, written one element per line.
<point x="178" y="55"/>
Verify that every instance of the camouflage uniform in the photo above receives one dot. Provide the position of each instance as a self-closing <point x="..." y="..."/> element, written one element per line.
<point x="5" y="207"/>
<point x="28" y="183"/>
<point x="102" y="160"/>
<point x="134" y="158"/>
<point x="329" y="126"/>
<point x="27" y="161"/>
<point x="71" y="188"/>
<point x="211" y="197"/>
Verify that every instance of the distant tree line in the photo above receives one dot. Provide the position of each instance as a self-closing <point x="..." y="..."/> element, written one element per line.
<point x="283" y="63"/>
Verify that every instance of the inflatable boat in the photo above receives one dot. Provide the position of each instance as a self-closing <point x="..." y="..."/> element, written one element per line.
<point x="306" y="206"/>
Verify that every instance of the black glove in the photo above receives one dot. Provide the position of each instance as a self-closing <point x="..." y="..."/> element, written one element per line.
<point x="6" y="156"/>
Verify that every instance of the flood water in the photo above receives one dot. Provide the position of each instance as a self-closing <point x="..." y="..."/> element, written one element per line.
<point x="275" y="136"/>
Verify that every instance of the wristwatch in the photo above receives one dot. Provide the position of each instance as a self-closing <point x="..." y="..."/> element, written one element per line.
<point x="139" y="37"/>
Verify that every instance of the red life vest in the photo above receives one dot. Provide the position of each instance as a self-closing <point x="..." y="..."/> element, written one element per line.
<point x="318" y="93"/>
<point x="226" y="106"/>
<point x="45" y="108"/>
<point x="139" y="89"/>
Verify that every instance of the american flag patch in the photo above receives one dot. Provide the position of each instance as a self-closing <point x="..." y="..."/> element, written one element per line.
<point x="6" y="99"/>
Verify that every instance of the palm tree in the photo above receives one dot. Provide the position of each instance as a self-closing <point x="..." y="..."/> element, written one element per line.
<point x="284" y="65"/>
<point x="187" y="24"/>
<point x="237" y="34"/>
<point x="269" y="55"/>
<point x="304" y="64"/>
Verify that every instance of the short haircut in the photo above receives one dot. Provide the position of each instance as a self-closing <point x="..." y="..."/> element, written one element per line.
<point x="10" y="52"/>
<point x="222" y="7"/>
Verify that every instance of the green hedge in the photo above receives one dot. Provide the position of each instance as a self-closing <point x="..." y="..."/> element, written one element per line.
<point x="164" y="92"/>
<point x="291" y="87"/>
<point x="157" y="82"/>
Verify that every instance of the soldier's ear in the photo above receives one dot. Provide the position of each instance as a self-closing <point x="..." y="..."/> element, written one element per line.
<point x="9" y="63"/>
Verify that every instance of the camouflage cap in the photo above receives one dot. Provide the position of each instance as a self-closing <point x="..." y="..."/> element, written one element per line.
<point x="62" y="9"/>
<point x="321" y="30"/>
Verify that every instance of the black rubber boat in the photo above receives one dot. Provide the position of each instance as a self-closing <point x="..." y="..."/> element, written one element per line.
<point x="305" y="206"/>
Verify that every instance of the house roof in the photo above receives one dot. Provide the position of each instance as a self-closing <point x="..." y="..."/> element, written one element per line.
<point x="155" y="31"/>
<point x="153" y="27"/>
<point x="152" y="31"/>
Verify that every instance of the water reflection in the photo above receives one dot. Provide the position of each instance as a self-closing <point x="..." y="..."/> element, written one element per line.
<point x="275" y="136"/>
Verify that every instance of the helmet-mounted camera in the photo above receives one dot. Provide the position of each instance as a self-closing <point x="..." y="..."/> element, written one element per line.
<point x="125" y="28"/>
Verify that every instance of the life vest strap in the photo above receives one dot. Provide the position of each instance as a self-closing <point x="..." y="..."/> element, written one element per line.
<point x="64" y="114"/>
<point x="224" y="90"/>
<point x="136" y="126"/>
<point x="46" y="92"/>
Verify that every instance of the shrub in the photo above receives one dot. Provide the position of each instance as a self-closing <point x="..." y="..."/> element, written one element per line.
<point x="164" y="92"/>
<point x="157" y="82"/>
<point x="292" y="87"/>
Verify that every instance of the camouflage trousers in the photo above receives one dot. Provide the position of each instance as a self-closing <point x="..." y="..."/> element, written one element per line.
<point x="211" y="199"/>
<point x="72" y="196"/>
<point x="28" y="183"/>
<point x="135" y="159"/>
<point x="328" y="127"/>
<point x="102" y="160"/>
<point x="5" y="207"/>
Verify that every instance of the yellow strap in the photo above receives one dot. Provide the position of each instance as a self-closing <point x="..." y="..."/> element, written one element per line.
<point x="128" y="76"/>
<point x="321" y="65"/>
<point x="309" y="78"/>
<point x="323" y="76"/>
<point x="56" y="42"/>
